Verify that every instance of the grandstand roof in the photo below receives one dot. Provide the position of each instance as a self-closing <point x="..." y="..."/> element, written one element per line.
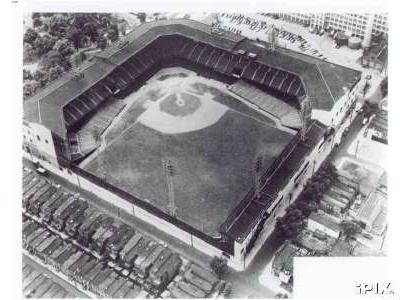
<point x="324" y="82"/>
<point x="245" y="216"/>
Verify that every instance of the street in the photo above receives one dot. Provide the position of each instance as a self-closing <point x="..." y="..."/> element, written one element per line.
<point x="245" y="284"/>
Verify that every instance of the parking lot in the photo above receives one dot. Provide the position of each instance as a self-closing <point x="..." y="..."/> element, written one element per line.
<point x="99" y="255"/>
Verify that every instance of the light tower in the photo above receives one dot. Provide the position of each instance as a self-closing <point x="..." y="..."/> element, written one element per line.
<point x="169" y="172"/>
<point x="257" y="175"/>
<point x="305" y="115"/>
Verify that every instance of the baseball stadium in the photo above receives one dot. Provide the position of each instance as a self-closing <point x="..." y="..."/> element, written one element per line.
<point x="200" y="128"/>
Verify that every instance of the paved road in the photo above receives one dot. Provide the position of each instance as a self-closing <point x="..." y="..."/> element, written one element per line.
<point x="67" y="286"/>
<point x="245" y="284"/>
<point x="354" y="130"/>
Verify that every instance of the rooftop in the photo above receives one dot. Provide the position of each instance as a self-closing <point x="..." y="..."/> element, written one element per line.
<point x="325" y="220"/>
<point x="324" y="82"/>
<point x="371" y="207"/>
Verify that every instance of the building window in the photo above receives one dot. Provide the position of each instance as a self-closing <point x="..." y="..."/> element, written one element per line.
<point x="38" y="138"/>
<point x="61" y="169"/>
<point x="46" y="141"/>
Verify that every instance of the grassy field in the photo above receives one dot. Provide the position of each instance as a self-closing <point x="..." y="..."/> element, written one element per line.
<point x="213" y="164"/>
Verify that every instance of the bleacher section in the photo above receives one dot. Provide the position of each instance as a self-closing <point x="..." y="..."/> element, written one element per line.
<point x="103" y="118"/>
<point x="86" y="140"/>
<point x="287" y="114"/>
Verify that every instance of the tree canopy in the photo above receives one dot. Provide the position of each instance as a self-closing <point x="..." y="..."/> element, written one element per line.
<point x="219" y="265"/>
<point x="350" y="229"/>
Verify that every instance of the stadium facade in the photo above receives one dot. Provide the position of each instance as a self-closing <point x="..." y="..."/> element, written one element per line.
<point x="53" y="116"/>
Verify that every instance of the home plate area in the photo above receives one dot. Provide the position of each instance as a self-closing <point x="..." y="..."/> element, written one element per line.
<point x="182" y="108"/>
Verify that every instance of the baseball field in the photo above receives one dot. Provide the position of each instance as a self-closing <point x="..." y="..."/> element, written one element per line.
<point x="211" y="138"/>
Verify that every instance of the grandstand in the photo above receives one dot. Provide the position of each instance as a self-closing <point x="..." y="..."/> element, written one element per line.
<point x="287" y="115"/>
<point x="78" y="109"/>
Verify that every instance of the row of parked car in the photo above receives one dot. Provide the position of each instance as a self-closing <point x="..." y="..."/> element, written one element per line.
<point x="102" y="241"/>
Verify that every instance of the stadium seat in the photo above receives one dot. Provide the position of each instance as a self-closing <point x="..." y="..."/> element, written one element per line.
<point x="250" y="70"/>
<point x="205" y="55"/>
<point x="216" y="53"/>
<point x="222" y="62"/>
<point x="195" y="54"/>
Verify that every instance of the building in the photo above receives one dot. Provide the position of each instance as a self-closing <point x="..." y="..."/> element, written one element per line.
<point x="361" y="25"/>
<point x="324" y="223"/>
<point x="324" y="94"/>
<point x="372" y="211"/>
<point x="377" y="129"/>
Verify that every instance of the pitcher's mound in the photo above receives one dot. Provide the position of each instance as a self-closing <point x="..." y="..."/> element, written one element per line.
<point x="181" y="111"/>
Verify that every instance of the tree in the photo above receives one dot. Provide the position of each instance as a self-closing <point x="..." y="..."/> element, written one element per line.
<point x="30" y="36"/>
<point x="113" y="33"/>
<point x="291" y="224"/>
<point x="44" y="44"/>
<point x="369" y="108"/>
<point x="58" y="26"/>
<point x="101" y="42"/>
<point x="37" y="22"/>
<point x="219" y="265"/>
<point x="63" y="46"/>
<point x="30" y="88"/>
<point x="76" y="37"/>
<point x="26" y="75"/>
<point x="41" y="77"/>
<point x="306" y="206"/>
<point x="29" y="54"/>
<point x="141" y="17"/>
<point x="36" y="16"/>
<point x="350" y="229"/>
<point x="91" y="30"/>
<point x="55" y="72"/>
<point x="51" y="59"/>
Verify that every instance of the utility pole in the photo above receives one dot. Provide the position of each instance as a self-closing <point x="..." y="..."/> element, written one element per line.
<point x="356" y="152"/>
<point x="257" y="175"/>
<point x="169" y="172"/>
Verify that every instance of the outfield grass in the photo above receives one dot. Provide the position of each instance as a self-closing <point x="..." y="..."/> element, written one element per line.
<point x="214" y="165"/>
